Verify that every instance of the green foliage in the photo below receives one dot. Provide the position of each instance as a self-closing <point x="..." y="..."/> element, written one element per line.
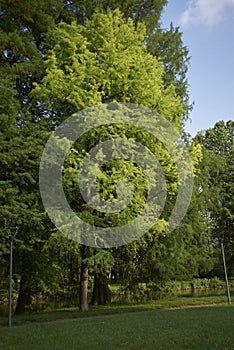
<point x="100" y="262"/>
<point x="216" y="186"/>
<point x="58" y="57"/>
<point x="137" y="10"/>
<point x="62" y="278"/>
<point x="167" y="44"/>
<point x="104" y="62"/>
<point x="214" y="282"/>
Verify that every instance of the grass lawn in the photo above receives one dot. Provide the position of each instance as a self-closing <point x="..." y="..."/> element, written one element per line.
<point x="191" y="328"/>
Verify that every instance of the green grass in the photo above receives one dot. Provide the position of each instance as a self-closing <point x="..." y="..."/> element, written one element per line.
<point x="69" y="313"/>
<point x="196" y="328"/>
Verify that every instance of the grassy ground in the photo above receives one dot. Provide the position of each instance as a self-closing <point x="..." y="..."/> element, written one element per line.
<point x="69" y="313"/>
<point x="205" y="328"/>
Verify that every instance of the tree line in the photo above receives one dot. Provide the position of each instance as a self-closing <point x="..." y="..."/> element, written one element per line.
<point x="58" y="58"/>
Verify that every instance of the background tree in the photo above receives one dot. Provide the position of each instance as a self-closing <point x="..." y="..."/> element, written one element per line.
<point x="19" y="193"/>
<point x="22" y="139"/>
<point x="217" y="168"/>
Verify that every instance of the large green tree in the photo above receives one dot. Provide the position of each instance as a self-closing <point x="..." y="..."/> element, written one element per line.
<point x="106" y="61"/>
<point x="24" y="43"/>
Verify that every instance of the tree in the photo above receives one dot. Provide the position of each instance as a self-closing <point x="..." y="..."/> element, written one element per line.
<point x="165" y="44"/>
<point x="136" y="10"/>
<point x="24" y="43"/>
<point x="105" y="61"/>
<point x="21" y="142"/>
<point x="19" y="194"/>
<point x="217" y="167"/>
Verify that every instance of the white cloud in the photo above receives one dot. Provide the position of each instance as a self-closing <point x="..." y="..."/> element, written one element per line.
<point x="208" y="12"/>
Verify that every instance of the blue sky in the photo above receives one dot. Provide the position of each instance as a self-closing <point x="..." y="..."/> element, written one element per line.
<point x="208" y="32"/>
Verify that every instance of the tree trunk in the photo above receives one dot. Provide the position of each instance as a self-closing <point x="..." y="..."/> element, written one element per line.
<point x="101" y="293"/>
<point x="84" y="273"/>
<point x="24" y="297"/>
<point x="84" y="276"/>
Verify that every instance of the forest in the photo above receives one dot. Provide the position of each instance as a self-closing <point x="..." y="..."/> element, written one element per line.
<point x="59" y="58"/>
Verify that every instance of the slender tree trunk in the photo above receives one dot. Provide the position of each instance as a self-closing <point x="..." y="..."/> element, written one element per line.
<point x="101" y="293"/>
<point x="84" y="276"/>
